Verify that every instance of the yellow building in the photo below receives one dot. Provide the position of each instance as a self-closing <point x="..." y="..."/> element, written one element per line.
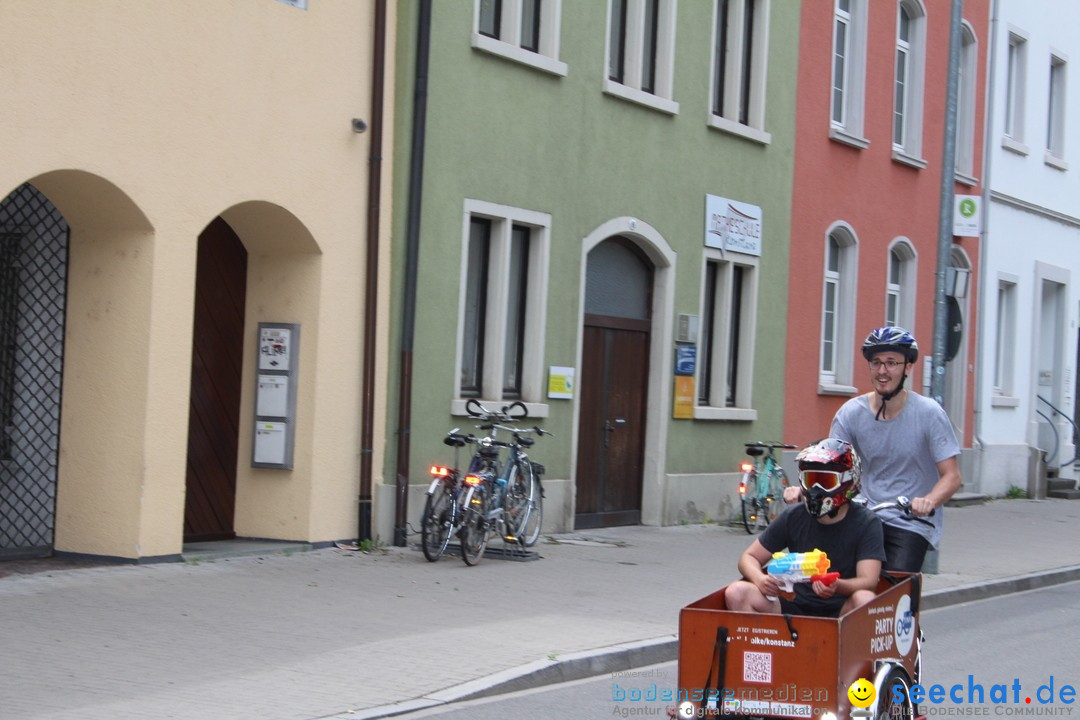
<point x="181" y="173"/>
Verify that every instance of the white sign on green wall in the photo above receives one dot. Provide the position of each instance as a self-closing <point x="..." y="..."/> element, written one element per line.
<point x="732" y="225"/>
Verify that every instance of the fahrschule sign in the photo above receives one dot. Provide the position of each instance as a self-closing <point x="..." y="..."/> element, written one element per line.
<point x="732" y="225"/>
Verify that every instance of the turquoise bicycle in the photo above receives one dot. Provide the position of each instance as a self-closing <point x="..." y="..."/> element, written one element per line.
<point x="761" y="490"/>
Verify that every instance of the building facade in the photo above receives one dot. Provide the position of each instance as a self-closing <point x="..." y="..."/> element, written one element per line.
<point x="1028" y="384"/>
<point x="184" y="247"/>
<point x="866" y="205"/>
<point x="595" y="194"/>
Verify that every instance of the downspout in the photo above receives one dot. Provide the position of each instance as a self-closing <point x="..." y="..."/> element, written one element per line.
<point x="984" y="230"/>
<point x="412" y="257"/>
<point x="371" y="280"/>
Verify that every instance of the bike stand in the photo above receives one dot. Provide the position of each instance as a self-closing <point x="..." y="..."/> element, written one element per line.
<point x="506" y="552"/>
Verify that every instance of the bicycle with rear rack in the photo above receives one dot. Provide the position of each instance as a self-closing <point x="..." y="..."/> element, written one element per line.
<point x="761" y="490"/>
<point x="502" y="494"/>
<point x="443" y="511"/>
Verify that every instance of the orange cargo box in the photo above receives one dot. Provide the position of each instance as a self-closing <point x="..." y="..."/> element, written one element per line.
<point x="737" y="664"/>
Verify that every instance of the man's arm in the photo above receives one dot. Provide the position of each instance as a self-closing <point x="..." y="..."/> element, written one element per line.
<point x="752" y="566"/>
<point x="949" y="481"/>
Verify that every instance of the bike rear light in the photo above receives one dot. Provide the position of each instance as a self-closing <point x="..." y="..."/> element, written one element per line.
<point x="746" y="467"/>
<point x="474" y="480"/>
<point x="827" y="480"/>
<point x="439" y="470"/>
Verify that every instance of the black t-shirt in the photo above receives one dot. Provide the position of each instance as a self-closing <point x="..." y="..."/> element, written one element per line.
<point x="858" y="536"/>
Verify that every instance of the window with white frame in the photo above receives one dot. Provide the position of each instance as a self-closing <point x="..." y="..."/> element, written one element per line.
<point x="837" y="310"/>
<point x="849" y="72"/>
<point x="1005" y="337"/>
<point x="740" y="49"/>
<point x="1055" y="113"/>
<point x="1015" y="92"/>
<point x="526" y="31"/>
<point x="502" y="302"/>
<point x="908" y="82"/>
<point x="900" y="285"/>
<point x="641" y="52"/>
<point x="965" y="107"/>
<point x="726" y="343"/>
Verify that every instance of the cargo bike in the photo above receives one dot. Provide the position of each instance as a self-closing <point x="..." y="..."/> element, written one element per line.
<point x="744" y="664"/>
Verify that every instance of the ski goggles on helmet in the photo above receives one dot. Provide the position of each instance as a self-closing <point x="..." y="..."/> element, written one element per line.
<point x="827" y="480"/>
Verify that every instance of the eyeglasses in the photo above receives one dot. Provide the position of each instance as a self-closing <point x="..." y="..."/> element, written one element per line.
<point x="827" y="480"/>
<point x="890" y="364"/>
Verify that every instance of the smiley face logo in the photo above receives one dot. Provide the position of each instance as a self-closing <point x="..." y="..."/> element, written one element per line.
<point x="861" y="693"/>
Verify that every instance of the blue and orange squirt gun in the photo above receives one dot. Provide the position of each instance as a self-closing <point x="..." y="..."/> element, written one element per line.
<point x="791" y="568"/>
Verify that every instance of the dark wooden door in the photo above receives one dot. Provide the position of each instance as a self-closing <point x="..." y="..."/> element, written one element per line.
<point x="216" y="365"/>
<point x="611" y="441"/>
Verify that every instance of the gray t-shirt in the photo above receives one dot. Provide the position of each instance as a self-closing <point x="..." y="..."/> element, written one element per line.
<point x="899" y="456"/>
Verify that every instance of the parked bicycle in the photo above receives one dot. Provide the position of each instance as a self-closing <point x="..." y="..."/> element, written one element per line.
<point x="502" y="495"/>
<point x="443" y="511"/>
<point x="761" y="490"/>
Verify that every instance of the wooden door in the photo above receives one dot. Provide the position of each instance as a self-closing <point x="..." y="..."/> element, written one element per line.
<point x="611" y="442"/>
<point x="216" y="365"/>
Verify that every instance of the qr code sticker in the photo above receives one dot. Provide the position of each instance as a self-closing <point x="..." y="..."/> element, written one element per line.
<point x="757" y="667"/>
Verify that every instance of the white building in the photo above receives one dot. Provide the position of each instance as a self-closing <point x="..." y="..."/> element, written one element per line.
<point x="1027" y="380"/>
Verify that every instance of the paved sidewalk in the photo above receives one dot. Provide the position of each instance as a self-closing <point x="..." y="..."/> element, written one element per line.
<point x="344" y="635"/>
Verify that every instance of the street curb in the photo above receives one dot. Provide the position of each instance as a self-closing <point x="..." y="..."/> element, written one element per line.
<point x="617" y="658"/>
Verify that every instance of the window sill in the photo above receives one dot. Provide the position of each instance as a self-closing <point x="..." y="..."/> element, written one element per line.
<point x="716" y="122"/>
<point x="843" y="136"/>
<point x="1014" y="146"/>
<point x="1004" y="401"/>
<point x="899" y="156"/>
<point x="536" y="410"/>
<point x="706" y="412"/>
<point x="640" y="97"/>
<point x="965" y="179"/>
<point x="833" y="389"/>
<point x="519" y="55"/>
<point x="1055" y="162"/>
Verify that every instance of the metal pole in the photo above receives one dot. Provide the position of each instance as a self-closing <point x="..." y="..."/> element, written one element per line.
<point x="945" y="234"/>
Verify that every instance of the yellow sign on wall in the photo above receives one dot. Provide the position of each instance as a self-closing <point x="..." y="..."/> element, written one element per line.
<point x="684" y="397"/>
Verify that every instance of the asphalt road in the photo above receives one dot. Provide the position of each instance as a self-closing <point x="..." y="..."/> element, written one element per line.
<point x="1011" y="648"/>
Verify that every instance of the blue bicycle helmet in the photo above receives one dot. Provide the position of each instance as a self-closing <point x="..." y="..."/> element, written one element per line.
<point x="891" y="339"/>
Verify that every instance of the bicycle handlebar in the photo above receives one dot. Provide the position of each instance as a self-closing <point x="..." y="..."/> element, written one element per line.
<point x="770" y="445"/>
<point x="903" y="504"/>
<point x="506" y="414"/>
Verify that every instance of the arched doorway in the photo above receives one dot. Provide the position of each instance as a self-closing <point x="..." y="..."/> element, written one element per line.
<point x="614" y="385"/>
<point x="956" y="359"/>
<point x="33" y="289"/>
<point x="217" y="362"/>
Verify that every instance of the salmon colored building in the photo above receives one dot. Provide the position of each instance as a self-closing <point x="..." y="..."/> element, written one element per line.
<point x="866" y="204"/>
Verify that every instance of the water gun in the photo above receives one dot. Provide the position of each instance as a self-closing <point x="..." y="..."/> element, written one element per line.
<point x="790" y="568"/>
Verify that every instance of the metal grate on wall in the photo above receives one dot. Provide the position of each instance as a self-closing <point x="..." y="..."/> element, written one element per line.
<point x="33" y="281"/>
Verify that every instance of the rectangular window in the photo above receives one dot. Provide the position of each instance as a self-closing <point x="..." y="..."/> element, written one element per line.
<point x="641" y="52"/>
<point x="726" y="344"/>
<point x="740" y="49"/>
<point x="965" y="109"/>
<point x="1055" y="111"/>
<point x="908" y="83"/>
<point x="892" y="291"/>
<point x="848" y="76"/>
<point x="1005" y="339"/>
<point x="503" y="294"/>
<point x="1015" y="91"/>
<point x="526" y="31"/>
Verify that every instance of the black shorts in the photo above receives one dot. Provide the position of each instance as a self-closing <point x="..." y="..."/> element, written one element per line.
<point x="818" y="607"/>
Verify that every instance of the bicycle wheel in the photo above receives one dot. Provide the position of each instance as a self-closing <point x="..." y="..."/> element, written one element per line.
<point x="440" y="513"/>
<point x="530" y="533"/>
<point x="753" y="519"/>
<point x="524" y="506"/>
<point x="894" y="697"/>
<point x="775" y="499"/>
<point x="474" y="529"/>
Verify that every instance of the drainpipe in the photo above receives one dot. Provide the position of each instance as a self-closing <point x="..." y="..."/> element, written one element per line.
<point x="984" y="230"/>
<point x="371" y="280"/>
<point x="412" y="257"/>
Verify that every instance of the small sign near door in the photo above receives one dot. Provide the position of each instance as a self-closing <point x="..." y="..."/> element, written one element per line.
<point x="561" y="382"/>
<point x="684" y="397"/>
